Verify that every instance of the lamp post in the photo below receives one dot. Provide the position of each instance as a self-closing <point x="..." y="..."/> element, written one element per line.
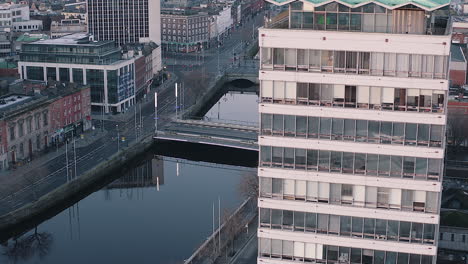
<point x="176" y="105"/>
<point x="118" y="138"/>
<point x="155" y="112"/>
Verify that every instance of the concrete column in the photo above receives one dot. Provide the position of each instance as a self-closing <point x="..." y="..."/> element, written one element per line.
<point x="105" y="103"/>
<point x="45" y="73"/>
<point x="84" y="77"/>
<point x="57" y="73"/>
<point x="70" y="71"/>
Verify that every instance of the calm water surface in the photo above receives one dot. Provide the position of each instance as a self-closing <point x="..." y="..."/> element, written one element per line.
<point x="235" y="106"/>
<point x="130" y="221"/>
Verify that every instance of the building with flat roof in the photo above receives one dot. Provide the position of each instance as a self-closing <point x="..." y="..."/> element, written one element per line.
<point x="81" y="59"/>
<point x="353" y="104"/>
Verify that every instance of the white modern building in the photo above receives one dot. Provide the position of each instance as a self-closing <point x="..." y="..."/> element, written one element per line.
<point x="353" y="114"/>
<point x="15" y="17"/>
<point x="78" y="58"/>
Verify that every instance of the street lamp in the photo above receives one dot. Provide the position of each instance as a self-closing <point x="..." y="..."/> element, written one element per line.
<point x="155" y="112"/>
<point x="118" y="138"/>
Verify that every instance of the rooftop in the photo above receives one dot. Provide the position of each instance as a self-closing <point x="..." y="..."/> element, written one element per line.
<point x="11" y="100"/>
<point x="454" y="219"/>
<point x="6" y="6"/>
<point x="427" y="5"/>
<point x="73" y="39"/>
<point x="31" y="37"/>
<point x="24" y="98"/>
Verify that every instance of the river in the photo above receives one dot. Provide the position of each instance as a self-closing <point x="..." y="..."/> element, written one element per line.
<point x="158" y="212"/>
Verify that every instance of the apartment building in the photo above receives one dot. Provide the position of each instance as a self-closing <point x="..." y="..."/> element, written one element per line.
<point x="184" y="30"/>
<point x="353" y="113"/>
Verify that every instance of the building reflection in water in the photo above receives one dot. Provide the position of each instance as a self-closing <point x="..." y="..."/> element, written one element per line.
<point x="148" y="173"/>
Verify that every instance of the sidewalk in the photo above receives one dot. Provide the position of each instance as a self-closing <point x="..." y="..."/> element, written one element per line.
<point x="14" y="179"/>
<point x="242" y="244"/>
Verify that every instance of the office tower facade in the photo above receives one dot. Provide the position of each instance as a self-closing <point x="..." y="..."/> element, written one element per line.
<point x="125" y="21"/>
<point x="352" y="141"/>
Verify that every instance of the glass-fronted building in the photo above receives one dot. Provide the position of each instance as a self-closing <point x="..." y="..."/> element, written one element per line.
<point x="78" y="58"/>
<point x="353" y="115"/>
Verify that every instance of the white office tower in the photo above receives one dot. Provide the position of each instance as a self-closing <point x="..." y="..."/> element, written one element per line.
<point x="125" y="21"/>
<point x="353" y="114"/>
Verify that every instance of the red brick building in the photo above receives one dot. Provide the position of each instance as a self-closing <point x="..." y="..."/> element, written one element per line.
<point x="70" y="113"/>
<point x="31" y="121"/>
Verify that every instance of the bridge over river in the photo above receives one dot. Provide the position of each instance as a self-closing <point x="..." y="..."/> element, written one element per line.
<point x="240" y="135"/>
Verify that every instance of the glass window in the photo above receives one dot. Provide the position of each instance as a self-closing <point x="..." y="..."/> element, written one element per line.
<point x="372" y="164"/>
<point x="410" y="134"/>
<point x="337" y="128"/>
<point x="322" y="223"/>
<point x="313" y="127"/>
<point x="324" y="160"/>
<point x="396" y="166"/>
<point x="359" y="163"/>
<point x="398" y="133"/>
<point x="423" y="135"/>
<point x="311" y="222"/>
<point x="345" y="225"/>
<point x="405" y="228"/>
<point x="436" y="136"/>
<point x="334" y="225"/>
<point x="357" y="226"/>
<point x="287" y="219"/>
<point x="335" y="161"/>
<point x="348" y="162"/>
<point x="266" y="123"/>
<point x="355" y="255"/>
<point x="384" y="165"/>
<point x="277" y="156"/>
<point x="392" y="230"/>
<point x="301" y="126"/>
<point x="374" y="127"/>
<point x="277" y="124"/>
<point x="299" y="220"/>
<point x="369" y="227"/>
<point x="326" y="94"/>
<point x="361" y="130"/>
<point x="325" y="127"/>
<point x="277" y="187"/>
<point x="349" y="129"/>
<point x="312" y="159"/>
<point x="265" y="217"/>
<point x="300" y="159"/>
<point x="288" y="158"/>
<point x="278" y="56"/>
<point x="289" y="126"/>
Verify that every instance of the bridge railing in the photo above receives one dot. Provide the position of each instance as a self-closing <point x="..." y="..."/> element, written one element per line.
<point x="222" y="121"/>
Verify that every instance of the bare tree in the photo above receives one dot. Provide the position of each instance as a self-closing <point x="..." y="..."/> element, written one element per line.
<point x="232" y="225"/>
<point x="26" y="247"/>
<point x="457" y="128"/>
<point x="196" y="83"/>
<point x="210" y="251"/>
<point x="248" y="185"/>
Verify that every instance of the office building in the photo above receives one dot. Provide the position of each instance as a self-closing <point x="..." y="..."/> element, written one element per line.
<point x="125" y="21"/>
<point x="78" y="58"/>
<point x="353" y="114"/>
